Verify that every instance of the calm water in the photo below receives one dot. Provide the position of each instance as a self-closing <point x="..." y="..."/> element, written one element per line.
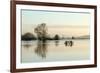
<point x="38" y="51"/>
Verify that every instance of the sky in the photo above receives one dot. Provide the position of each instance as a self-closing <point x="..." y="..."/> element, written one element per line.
<point x="63" y="23"/>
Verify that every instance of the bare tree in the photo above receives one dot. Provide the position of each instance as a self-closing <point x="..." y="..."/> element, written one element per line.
<point x="41" y="31"/>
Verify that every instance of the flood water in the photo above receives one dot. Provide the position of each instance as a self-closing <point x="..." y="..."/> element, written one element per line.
<point x="52" y="51"/>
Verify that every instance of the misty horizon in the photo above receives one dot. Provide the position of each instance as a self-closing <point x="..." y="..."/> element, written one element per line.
<point x="62" y="31"/>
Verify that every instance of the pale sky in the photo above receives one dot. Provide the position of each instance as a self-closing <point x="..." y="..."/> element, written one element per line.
<point x="71" y="22"/>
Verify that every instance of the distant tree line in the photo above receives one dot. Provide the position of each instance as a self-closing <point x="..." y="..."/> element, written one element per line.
<point x="41" y="32"/>
<point x="30" y="36"/>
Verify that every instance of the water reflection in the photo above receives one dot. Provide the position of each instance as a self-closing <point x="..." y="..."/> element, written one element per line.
<point x="41" y="46"/>
<point x="41" y="49"/>
<point x="56" y="42"/>
<point x="51" y="50"/>
<point x="27" y="44"/>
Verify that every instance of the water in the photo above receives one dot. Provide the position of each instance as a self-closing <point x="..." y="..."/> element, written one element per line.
<point x="51" y="51"/>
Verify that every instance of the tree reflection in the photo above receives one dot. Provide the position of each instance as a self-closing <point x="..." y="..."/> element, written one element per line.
<point x="41" y="49"/>
<point x="56" y="42"/>
<point x="27" y="44"/>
